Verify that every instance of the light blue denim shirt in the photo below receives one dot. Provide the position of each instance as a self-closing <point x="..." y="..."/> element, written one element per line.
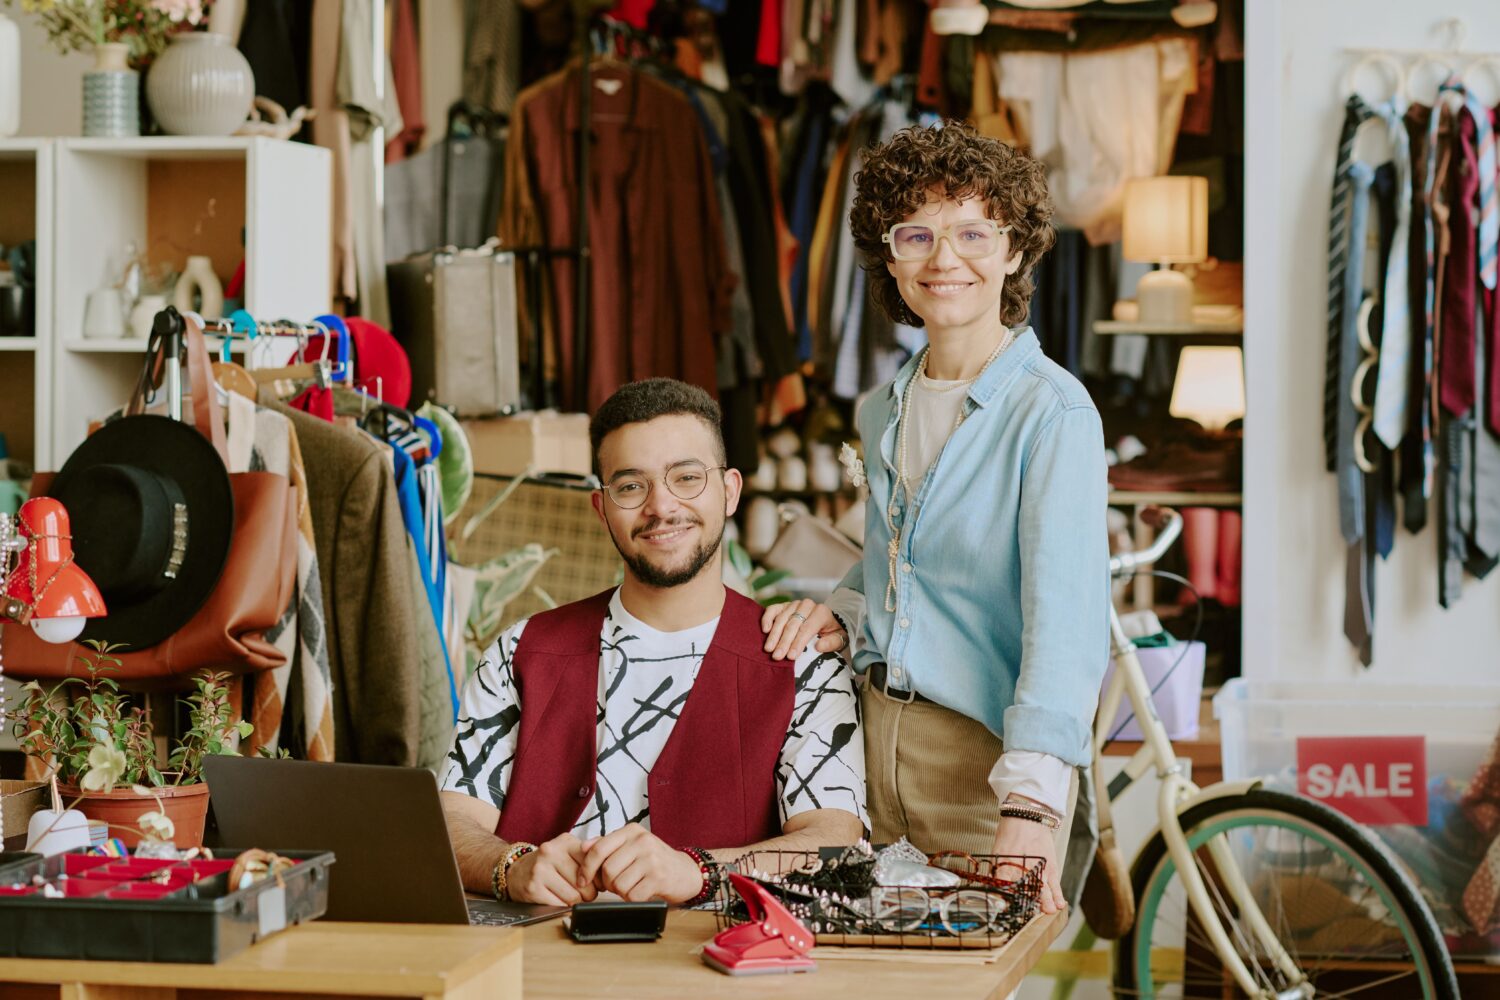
<point x="1002" y="584"/>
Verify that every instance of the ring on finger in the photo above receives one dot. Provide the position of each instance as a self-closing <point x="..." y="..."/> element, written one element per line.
<point x="799" y="615"/>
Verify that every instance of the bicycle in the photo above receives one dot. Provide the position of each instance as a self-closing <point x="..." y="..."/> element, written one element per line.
<point x="1243" y="886"/>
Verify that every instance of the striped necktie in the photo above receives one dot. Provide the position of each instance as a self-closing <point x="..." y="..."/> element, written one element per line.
<point x="1356" y="111"/>
<point x="1350" y="479"/>
<point x="1433" y="183"/>
<point x="1489" y="209"/>
<point x="1391" y="378"/>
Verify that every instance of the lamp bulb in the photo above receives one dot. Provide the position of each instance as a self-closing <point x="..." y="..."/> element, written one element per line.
<point x="58" y="630"/>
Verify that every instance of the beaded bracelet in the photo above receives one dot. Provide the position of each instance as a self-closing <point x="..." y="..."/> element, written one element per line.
<point x="501" y="872"/>
<point x="712" y="874"/>
<point x="1047" y="819"/>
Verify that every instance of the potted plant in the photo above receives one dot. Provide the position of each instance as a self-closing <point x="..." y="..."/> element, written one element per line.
<point x="99" y="745"/>
<point x="125" y="37"/>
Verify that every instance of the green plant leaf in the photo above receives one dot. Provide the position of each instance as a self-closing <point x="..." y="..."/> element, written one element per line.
<point x="769" y="579"/>
<point x="245" y="729"/>
<point x="775" y="600"/>
<point x="739" y="558"/>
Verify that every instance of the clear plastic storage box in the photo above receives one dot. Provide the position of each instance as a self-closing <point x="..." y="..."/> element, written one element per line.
<point x="1261" y="723"/>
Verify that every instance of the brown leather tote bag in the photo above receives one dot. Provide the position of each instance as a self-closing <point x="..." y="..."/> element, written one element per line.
<point x="258" y="581"/>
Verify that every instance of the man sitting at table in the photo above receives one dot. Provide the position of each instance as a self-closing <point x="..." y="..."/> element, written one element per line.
<point x="610" y="744"/>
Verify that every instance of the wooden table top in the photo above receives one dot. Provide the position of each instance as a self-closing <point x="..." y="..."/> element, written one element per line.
<point x="318" y="957"/>
<point x="671" y="969"/>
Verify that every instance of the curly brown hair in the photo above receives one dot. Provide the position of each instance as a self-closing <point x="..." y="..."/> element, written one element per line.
<point x="952" y="158"/>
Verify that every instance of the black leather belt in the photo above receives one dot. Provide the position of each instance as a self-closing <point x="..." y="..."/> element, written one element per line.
<point x="877" y="676"/>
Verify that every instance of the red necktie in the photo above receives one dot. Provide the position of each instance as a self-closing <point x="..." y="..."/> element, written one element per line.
<point x="1456" y="382"/>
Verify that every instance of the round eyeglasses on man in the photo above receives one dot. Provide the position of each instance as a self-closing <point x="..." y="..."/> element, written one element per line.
<point x="687" y="481"/>
<point x="919" y="241"/>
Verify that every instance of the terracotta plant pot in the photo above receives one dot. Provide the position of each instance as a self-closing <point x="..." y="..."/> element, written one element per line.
<point x="185" y="805"/>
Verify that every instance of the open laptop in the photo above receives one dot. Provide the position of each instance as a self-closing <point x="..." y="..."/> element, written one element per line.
<point x="393" y="862"/>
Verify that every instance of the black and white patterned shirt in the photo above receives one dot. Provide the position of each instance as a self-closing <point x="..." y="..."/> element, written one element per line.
<point x="645" y="679"/>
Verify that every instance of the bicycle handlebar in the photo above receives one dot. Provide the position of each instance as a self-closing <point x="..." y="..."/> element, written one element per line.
<point x="1168" y="525"/>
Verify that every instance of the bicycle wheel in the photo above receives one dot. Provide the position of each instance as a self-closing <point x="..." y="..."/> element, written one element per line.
<point x="1342" y="907"/>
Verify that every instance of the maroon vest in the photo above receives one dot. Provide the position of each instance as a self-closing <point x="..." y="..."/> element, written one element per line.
<point x="714" y="784"/>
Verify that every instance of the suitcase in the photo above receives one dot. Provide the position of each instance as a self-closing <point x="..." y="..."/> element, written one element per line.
<point x="455" y="313"/>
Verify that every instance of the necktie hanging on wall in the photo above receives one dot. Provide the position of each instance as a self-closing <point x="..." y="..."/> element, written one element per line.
<point x="1356" y="111"/>
<point x="1458" y="375"/>
<point x="1393" y="376"/>
<point x="1348" y="425"/>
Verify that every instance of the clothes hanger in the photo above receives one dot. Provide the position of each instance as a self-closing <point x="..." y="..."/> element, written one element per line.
<point x="1490" y="62"/>
<point x="231" y="376"/>
<point x="236" y="379"/>
<point x="1383" y="61"/>
<point x="288" y="379"/>
<point x="343" y="360"/>
<point x="1445" y="83"/>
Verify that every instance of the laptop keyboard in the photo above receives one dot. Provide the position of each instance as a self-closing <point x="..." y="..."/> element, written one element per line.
<point x="491" y="918"/>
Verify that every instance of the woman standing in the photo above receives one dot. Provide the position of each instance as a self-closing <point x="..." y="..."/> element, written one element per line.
<point x="979" y="614"/>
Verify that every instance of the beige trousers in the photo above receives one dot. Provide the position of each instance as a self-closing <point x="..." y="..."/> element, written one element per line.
<point x="927" y="769"/>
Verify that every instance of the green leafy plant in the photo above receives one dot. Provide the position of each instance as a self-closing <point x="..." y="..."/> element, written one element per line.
<point x="87" y="731"/>
<point x="143" y="26"/>
<point x="761" y="581"/>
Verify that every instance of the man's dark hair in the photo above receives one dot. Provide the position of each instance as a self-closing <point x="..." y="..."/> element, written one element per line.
<point x="639" y="402"/>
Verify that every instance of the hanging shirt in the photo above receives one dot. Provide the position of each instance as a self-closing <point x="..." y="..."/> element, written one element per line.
<point x="645" y="677"/>
<point x="1098" y="119"/>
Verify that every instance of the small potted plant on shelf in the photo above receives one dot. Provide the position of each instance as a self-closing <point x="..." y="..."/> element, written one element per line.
<point x="99" y="745"/>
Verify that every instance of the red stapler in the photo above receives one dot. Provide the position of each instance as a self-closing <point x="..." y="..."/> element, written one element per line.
<point x="773" y="940"/>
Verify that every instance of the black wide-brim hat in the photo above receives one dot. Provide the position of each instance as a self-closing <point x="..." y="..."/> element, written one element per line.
<point x="152" y="514"/>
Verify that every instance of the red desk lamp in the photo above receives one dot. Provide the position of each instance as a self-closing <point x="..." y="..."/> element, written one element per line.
<point x="40" y="584"/>
<point x="45" y="588"/>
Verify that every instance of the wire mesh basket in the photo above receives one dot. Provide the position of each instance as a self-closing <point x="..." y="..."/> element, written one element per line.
<point x="996" y="896"/>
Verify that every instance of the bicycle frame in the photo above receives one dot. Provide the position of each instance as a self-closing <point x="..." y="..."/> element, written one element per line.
<point x="1177" y="794"/>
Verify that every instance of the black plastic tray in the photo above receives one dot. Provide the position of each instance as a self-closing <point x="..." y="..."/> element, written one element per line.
<point x="139" y="921"/>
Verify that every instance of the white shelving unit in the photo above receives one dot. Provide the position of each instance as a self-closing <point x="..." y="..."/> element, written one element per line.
<point x="175" y="197"/>
<point x="26" y="203"/>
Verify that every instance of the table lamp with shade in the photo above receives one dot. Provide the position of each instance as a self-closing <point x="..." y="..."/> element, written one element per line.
<point x="1210" y="386"/>
<point x="1166" y="222"/>
<point x="40" y="584"/>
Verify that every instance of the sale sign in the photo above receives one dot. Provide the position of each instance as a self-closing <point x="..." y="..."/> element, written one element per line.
<point x="1377" y="780"/>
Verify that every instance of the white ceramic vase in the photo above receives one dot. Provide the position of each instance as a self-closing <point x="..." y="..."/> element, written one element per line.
<point x="10" y="77"/>
<point x="143" y="315"/>
<point x="201" y="85"/>
<point x="823" y="470"/>
<point x="762" y="525"/>
<point x="764" y="479"/>
<point x="792" y="474"/>
<point x="198" y="279"/>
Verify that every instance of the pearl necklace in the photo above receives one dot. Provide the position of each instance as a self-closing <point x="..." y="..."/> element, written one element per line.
<point x="894" y="547"/>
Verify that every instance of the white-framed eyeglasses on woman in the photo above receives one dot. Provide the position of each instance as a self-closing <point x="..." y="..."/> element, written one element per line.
<point x="970" y="238"/>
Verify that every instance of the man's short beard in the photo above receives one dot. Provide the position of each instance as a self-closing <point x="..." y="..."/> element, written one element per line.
<point x="654" y="576"/>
